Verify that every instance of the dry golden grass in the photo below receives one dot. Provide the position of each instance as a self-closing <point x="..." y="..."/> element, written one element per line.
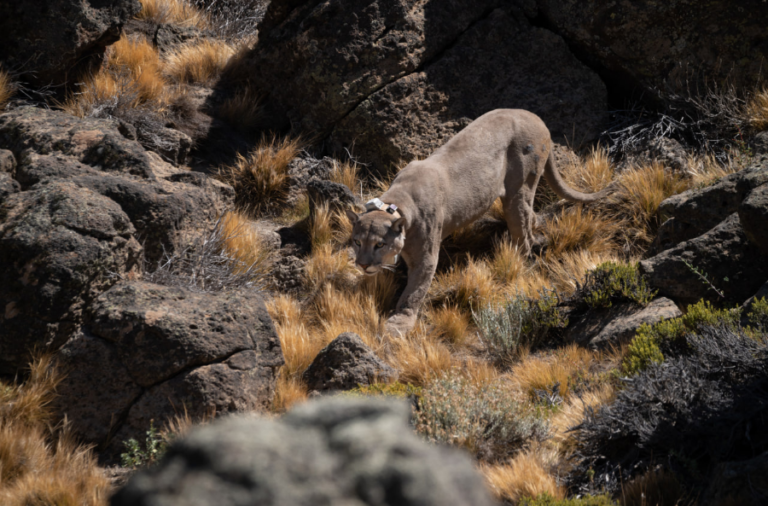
<point x="260" y="179"/>
<point x="594" y="173"/>
<point x="656" y="487"/>
<point x="508" y="264"/>
<point x="420" y="356"/>
<point x="337" y="311"/>
<point x="707" y="170"/>
<point x="242" y="110"/>
<point x="140" y="58"/>
<point x="288" y="392"/>
<point x="577" y="228"/>
<point x="571" y="414"/>
<point x="327" y="265"/>
<point x="177" y="12"/>
<point x="41" y="464"/>
<point x="564" y="272"/>
<point x="565" y="366"/>
<point x="756" y="110"/>
<point x="321" y="230"/>
<point x="243" y="243"/>
<point x="6" y="88"/>
<point x="450" y="324"/>
<point x="524" y="476"/>
<point x="346" y="173"/>
<point x="198" y="62"/>
<point x="466" y="287"/>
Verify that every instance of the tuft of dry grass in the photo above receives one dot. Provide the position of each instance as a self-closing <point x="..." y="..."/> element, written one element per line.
<point x="572" y="413"/>
<point x="466" y="287"/>
<point x="450" y="324"/>
<point x="563" y="273"/>
<point x="525" y="475"/>
<point x="346" y="173"/>
<point x="242" y="242"/>
<point x="39" y="463"/>
<point x="508" y="264"/>
<point x="756" y="110"/>
<point x="7" y="88"/>
<point x="576" y="229"/>
<point x="288" y="392"/>
<point x="707" y="170"/>
<point x="202" y="61"/>
<point x="260" y="179"/>
<point x="242" y="110"/>
<point x="177" y="12"/>
<point x="140" y="58"/>
<point x="420" y="356"/>
<point x="594" y="173"/>
<point x="326" y="265"/>
<point x="564" y="367"/>
<point x="657" y="487"/>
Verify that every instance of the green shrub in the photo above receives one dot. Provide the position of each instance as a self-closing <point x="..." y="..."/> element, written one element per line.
<point x="483" y="419"/>
<point x="395" y="389"/>
<point x="154" y="448"/>
<point x="547" y="500"/>
<point x="646" y="347"/>
<point x="758" y="315"/>
<point x="519" y="322"/>
<point x="614" y="282"/>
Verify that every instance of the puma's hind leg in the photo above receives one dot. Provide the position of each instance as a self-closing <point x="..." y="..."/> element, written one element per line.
<point x="520" y="188"/>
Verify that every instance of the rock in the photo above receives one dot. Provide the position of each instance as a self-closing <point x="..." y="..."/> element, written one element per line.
<point x="753" y="214"/>
<point x="730" y="261"/>
<point x="7" y="163"/>
<point x="657" y="45"/>
<point x="344" y="364"/>
<point x="739" y="482"/>
<point x="288" y="273"/>
<point x="303" y="169"/>
<point x="174" y="146"/>
<point x="330" y="451"/>
<point x="669" y="152"/>
<point x="618" y="323"/>
<point x="759" y="143"/>
<point x="496" y="63"/>
<point x="7" y="187"/>
<point x="150" y="352"/>
<point x="53" y="42"/>
<point x="335" y="196"/>
<point x="60" y="245"/>
<point x="696" y="211"/>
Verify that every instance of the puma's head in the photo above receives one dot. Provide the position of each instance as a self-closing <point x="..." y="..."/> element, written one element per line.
<point x="377" y="238"/>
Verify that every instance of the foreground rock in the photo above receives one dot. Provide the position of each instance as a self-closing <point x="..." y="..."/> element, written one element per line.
<point x="332" y="451"/>
<point x="150" y="352"/>
<point x="344" y="364"/>
<point x="392" y="80"/>
<point x="618" y="323"/>
<point x="78" y="199"/>
<point x="53" y="42"/>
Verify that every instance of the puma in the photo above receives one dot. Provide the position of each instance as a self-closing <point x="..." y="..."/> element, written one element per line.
<point x="503" y="153"/>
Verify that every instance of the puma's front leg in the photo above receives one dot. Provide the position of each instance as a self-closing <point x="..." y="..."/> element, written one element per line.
<point x="407" y="310"/>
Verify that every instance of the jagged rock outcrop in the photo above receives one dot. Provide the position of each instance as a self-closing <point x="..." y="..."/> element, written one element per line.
<point x="330" y="451"/>
<point x="344" y="364"/>
<point x="76" y="205"/>
<point x="55" y="41"/>
<point x="393" y="80"/>
<point x="150" y="352"/>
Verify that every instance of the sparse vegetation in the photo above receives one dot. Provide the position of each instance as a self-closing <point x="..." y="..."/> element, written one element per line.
<point x="613" y="282"/>
<point x="395" y="389"/>
<point x="177" y="12"/>
<point x="549" y="500"/>
<point x="6" y="88"/>
<point x="147" y="454"/>
<point x="198" y="62"/>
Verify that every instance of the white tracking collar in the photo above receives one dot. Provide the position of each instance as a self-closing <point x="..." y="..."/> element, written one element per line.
<point x="374" y="204"/>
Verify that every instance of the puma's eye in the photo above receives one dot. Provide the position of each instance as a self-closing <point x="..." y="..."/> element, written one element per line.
<point x="357" y="243"/>
<point x="379" y="245"/>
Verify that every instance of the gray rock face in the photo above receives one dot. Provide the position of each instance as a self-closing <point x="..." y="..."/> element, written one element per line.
<point x="753" y="214"/>
<point x="54" y="41"/>
<point x="331" y="451"/>
<point x="344" y="364"/>
<point x="656" y="44"/>
<point x="7" y="162"/>
<point x="618" y="324"/>
<point x="695" y="212"/>
<point x="334" y="195"/>
<point x="148" y="352"/>
<point x="730" y="261"/>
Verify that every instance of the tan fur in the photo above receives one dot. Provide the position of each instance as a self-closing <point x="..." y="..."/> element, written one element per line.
<point x="503" y="154"/>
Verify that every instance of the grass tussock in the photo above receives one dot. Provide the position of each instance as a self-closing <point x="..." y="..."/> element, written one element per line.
<point x="466" y="287"/>
<point x="656" y="486"/>
<point x="177" y="12"/>
<point x="580" y="229"/>
<point x="41" y="463"/>
<point x="571" y="414"/>
<point x="260" y="178"/>
<point x="451" y="324"/>
<point x="756" y="110"/>
<point x="7" y="88"/>
<point x="242" y="110"/>
<point x="346" y="173"/>
<point x="560" y="371"/>
<point x="198" y="62"/>
<point x="242" y="242"/>
<point x="594" y="173"/>
<point x="526" y="475"/>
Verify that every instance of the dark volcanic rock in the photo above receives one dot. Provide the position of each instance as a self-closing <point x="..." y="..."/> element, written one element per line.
<point x="7" y="187"/>
<point x="331" y="451"/>
<point x="739" y="482"/>
<point x="618" y="323"/>
<point x="150" y="352"/>
<point x="650" y="45"/>
<point x="345" y="364"/>
<point x="60" y="245"/>
<point x="334" y="195"/>
<point x="731" y="262"/>
<point x="498" y="63"/>
<point x="753" y="214"/>
<point x="54" y="41"/>
<point x="7" y="162"/>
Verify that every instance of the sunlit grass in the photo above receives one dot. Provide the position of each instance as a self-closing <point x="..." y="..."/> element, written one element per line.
<point x="7" y="88"/>
<point x="198" y="62"/>
<point x="177" y="12"/>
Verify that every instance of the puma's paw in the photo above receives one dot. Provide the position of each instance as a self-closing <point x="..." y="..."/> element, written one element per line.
<point x="398" y="325"/>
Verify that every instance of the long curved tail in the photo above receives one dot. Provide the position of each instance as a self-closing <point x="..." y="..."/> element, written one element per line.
<point x="556" y="182"/>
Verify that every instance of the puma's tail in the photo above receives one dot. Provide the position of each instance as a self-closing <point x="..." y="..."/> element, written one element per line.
<point x="552" y="176"/>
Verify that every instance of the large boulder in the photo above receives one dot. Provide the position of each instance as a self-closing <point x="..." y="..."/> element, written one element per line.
<point x="730" y="262"/>
<point x="753" y="214"/>
<point x="60" y="245"/>
<point x="55" y="41"/>
<point x="150" y="352"/>
<point x="393" y="80"/>
<point x="649" y="45"/>
<point x="331" y="451"/>
<point x="344" y="364"/>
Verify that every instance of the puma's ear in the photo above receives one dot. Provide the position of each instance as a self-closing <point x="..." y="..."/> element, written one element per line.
<point x="352" y="216"/>
<point x="400" y="225"/>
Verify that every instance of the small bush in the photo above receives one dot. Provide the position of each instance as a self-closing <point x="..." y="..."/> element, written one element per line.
<point x="614" y="282"/>
<point x="396" y="389"/>
<point x="138" y="455"/>
<point x="548" y="500"/>
<point x="758" y="315"/>
<point x="482" y="419"/>
<point x="519" y="323"/>
<point x="649" y="342"/>
<point x="234" y="20"/>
